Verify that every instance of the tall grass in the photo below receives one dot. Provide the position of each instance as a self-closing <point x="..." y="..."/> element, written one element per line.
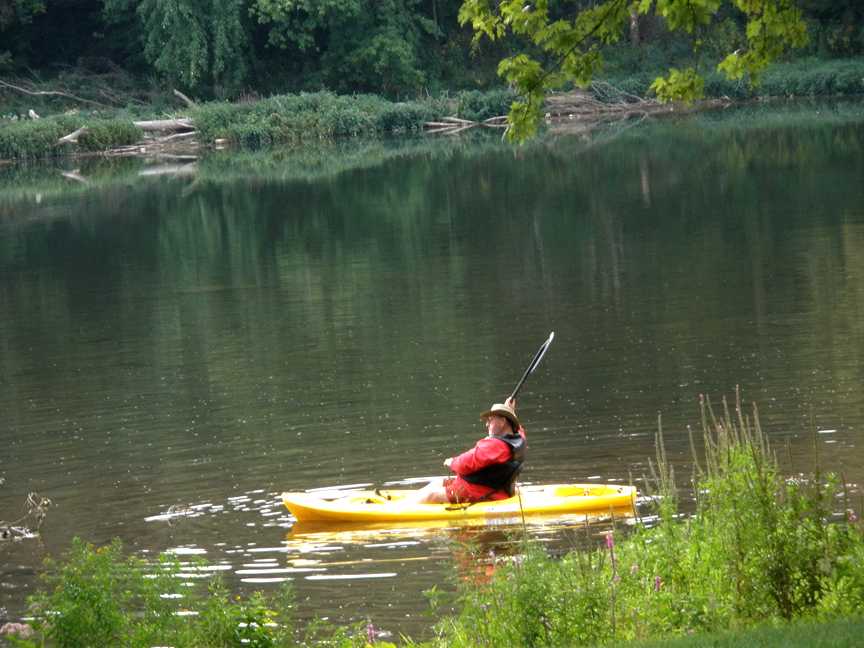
<point x="27" y="140"/>
<point x="758" y="548"/>
<point x="308" y="117"/>
<point x="811" y="77"/>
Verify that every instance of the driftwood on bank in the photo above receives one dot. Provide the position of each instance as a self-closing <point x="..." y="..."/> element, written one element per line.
<point x="455" y="125"/>
<point x="28" y="524"/>
<point x="166" y="125"/>
<point x="603" y="102"/>
<point x="162" y="137"/>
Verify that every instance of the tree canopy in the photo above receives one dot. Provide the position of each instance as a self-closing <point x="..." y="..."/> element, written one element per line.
<point x="406" y="48"/>
<point x="567" y="39"/>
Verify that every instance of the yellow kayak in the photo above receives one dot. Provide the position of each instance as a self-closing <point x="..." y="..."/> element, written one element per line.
<point x="398" y="505"/>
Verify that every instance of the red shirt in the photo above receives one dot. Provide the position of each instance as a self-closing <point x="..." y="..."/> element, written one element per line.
<point x="486" y="452"/>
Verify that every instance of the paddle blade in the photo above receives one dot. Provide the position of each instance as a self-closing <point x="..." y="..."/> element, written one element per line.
<point x="536" y="361"/>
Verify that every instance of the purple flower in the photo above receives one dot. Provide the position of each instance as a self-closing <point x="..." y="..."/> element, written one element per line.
<point x="658" y="583"/>
<point x="850" y="516"/>
<point x="371" y="633"/>
<point x="610" y="541"/>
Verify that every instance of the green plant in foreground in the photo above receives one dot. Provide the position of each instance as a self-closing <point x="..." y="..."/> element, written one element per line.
<point x="98" y="597"/>
<point x="759" y="548"/>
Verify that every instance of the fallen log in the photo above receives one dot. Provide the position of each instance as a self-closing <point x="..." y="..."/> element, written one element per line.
<point x="440" y="124"/>
<point x="72" y="138"/>
<point x="454" y="125"/>
<point x="457" y="120"/>
<point x="179" y="124"/>
<point x="177" y="136"/>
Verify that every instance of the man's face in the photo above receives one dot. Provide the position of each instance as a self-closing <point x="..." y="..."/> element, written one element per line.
<point x="497" y="425"/>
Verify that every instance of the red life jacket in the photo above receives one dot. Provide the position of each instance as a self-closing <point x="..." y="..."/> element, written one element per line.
<point x="502" y="476"/>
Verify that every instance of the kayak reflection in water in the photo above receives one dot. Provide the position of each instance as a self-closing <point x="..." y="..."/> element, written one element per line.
<point x="487" y="471"/>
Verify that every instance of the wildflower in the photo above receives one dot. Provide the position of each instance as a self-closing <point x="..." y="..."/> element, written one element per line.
<point x="21" y="630"/>
<point x="610" y="541"/>
<point x="850" y="516"/>
<point x="634" y="569"/>
<point x="371" y="632"/>
<point x="658" y="583"/>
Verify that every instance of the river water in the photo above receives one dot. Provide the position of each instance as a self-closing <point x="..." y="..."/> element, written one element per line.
<point x="177" y="349"/>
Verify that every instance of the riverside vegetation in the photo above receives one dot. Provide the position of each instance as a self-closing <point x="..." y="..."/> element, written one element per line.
<point x="394" y="63"/>
<point x="280" y="119"/>
<point x="762" y="558"/>
<point x="326" y="117"/>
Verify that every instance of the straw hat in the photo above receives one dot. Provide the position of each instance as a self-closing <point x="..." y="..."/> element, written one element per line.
<point x="502" y="410"/>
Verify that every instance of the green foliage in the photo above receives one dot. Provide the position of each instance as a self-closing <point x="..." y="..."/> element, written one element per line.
<point x="98" y="597"/>
<point x="309" y="116"/>
<point x="685" y="85"/>
<point x="105" y="134"/>
<point x="202" y="45"/>
<point x="844" y="633"/>
<point x="92" y="597"/>
<point x="14" y="15"/>
<point x="19" y="11"/>
<point x="805" y="78"/>
<point x="758" y="548"/>
<point x="810" y="78"/>
<point x="352" y="45"/>
<point x="30" y="139"/>
<point x="570" y="47"/>
<point x="477" y="106"/>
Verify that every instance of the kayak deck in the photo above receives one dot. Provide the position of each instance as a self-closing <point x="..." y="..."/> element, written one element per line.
<point x="398" y="505"/>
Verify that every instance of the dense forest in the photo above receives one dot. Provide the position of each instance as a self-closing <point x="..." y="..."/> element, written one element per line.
<point x="396" y="48"/>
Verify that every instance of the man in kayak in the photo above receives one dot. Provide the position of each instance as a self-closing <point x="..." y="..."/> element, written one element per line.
<point x="488" y="470"/>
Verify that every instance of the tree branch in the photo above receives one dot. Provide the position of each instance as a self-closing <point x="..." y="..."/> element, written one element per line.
<point x="184" y="98"/>
<point x="49" y="93"/>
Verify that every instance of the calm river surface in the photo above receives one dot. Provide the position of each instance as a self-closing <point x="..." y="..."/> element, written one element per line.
<point x="175" y="351"/>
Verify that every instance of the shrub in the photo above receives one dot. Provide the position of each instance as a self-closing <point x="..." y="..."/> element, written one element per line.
<point x="96" y="597"/>
<point x="310" y="116"/>
<point x="103" y="135"/>
<point x="477" y="106"/>
<point x="213" y="120"/>
<point x="38" y="138"/>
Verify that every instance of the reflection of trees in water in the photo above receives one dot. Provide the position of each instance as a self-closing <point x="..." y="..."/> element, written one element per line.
<point x="663" y="249"/>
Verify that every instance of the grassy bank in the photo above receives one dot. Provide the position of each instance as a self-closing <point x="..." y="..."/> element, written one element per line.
<point x="810" y="77"/>
<point x="33" y="139"/>
<point x="324" y="116"/>
<point x="840" y="633"/>
<point x="278" y="120"/>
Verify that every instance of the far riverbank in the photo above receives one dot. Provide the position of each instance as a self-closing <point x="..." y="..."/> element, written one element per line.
<point x="67" y="125"/>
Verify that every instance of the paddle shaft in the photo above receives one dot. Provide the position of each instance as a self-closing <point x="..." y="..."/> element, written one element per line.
<point x="531" y="367"/>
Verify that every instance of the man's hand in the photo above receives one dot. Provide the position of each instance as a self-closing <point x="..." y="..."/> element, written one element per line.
<point x="511" y="403"/>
